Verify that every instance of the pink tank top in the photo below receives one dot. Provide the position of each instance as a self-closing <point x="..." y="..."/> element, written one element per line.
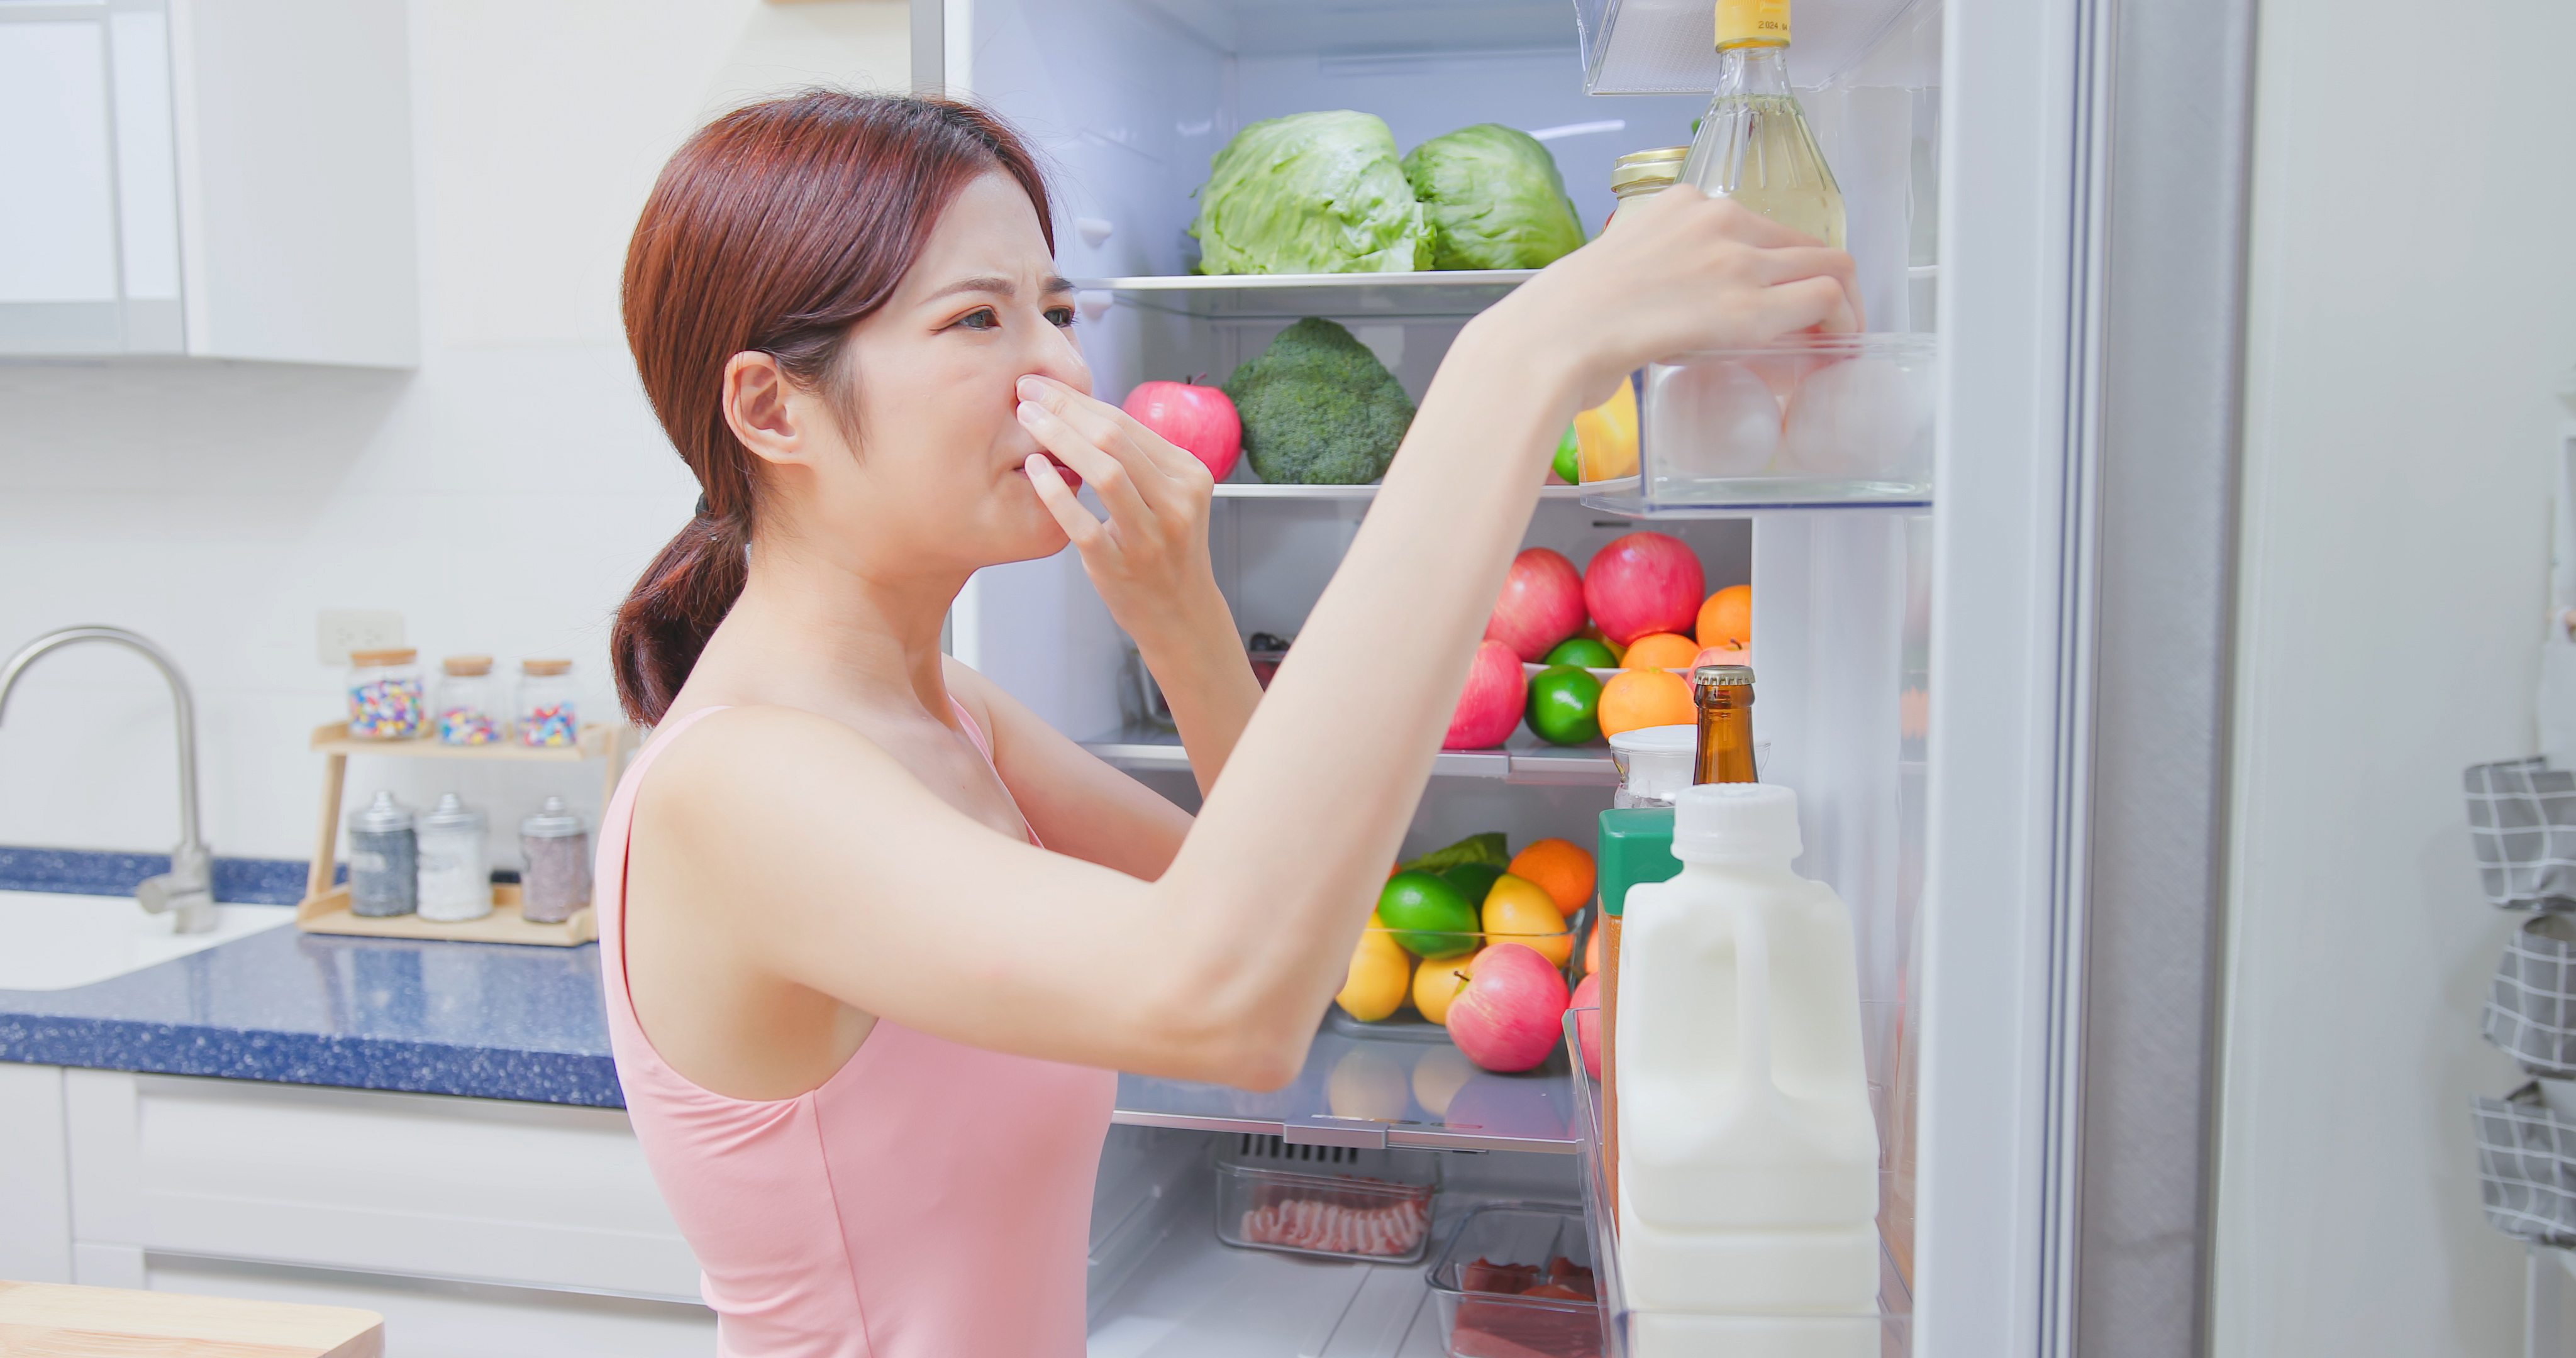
<point x="930" y="1200"/>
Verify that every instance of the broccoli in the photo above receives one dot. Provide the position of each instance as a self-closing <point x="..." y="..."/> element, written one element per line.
<point x="1318" y="408"/>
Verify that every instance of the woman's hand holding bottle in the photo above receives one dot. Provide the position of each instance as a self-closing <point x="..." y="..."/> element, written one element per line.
<point x="1677" y="273"/>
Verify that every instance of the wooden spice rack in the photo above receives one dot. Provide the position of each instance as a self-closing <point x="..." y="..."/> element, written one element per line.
<point x="325" y="907"/>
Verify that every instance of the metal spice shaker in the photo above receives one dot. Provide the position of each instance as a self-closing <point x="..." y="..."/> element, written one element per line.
<point x="384" y="861"/>
<point x="455" y="862"/>
<point x="556" y="882"/>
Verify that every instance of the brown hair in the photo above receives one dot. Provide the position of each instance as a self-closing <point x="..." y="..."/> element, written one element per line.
<point x="776" y="228"/>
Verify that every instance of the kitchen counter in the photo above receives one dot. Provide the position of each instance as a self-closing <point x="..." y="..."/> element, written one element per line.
<point x="494" y="1021"/>
<point x="473" y="1019"/>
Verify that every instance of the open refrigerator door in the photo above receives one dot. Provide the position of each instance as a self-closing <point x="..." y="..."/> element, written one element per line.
<point x="1128" y="100"/>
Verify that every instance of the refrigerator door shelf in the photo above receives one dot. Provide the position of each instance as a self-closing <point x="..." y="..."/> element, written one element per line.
<point x="1248" y="489"/>
<point x="1428" y="295"/>
<point x="1358" y="1091"/>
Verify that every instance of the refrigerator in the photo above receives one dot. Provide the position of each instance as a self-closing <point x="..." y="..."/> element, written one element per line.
<point x="2001" y="700"/>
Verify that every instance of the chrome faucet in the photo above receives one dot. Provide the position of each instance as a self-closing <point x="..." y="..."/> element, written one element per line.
<point x="186" y="892"/>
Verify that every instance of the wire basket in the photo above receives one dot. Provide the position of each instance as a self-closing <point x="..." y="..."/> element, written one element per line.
<point x="2522" y="821"/>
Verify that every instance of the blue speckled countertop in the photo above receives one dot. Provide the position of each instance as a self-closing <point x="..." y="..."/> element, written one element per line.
<point x="483" y="1020"/>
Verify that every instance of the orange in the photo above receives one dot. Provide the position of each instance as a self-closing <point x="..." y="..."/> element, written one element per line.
<point x="1520" y="911"/>
<point x="1659" y="651"/>
<point x="1592" y="951"/>
<point x="1635" y="698"/>
<point x="1726" y="619"/>
<point x="1561" y="868"/>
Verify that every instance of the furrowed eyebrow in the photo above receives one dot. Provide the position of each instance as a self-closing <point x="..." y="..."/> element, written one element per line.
<point x="1000" y="287"/>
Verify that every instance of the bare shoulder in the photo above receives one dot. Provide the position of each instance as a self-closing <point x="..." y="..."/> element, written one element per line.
<point x="744" y="757"/>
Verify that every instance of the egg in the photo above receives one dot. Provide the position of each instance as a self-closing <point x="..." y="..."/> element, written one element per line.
<point x="1864" y="418"/>
<point x="1709" y="418"/>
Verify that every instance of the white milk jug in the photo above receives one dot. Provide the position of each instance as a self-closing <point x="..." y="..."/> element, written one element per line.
<point x="1748" y="1157"/>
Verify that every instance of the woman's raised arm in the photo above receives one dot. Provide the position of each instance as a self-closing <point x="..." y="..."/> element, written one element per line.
<point x="863" y="885"/>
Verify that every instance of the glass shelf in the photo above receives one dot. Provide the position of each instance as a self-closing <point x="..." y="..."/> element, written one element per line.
<point x="1523" y="758"/>
<point x="1442" y="293"/>
<point x="1263" y="490"/>
<point x="1368" y="1092"/>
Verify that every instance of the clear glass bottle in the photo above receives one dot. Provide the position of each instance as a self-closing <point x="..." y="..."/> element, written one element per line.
<point x="384" y="859"/>
<point x="1754" y="145"/>
<point x="455" y="862"/>
<point x="556" y="846"/>
<point x="549" y="706"/>
<point x="386" y="701"/>
<point x="467" y="705"/>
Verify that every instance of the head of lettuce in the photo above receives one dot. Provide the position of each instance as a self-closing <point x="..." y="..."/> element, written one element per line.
<point x="1493" y="198"/>
<point x="1310" y="193"/>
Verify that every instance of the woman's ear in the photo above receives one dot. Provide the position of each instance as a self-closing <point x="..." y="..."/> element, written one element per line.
<point x="764" y="410"/>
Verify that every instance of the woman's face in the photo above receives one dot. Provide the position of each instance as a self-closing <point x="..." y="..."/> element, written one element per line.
<point x="934" y="480"/>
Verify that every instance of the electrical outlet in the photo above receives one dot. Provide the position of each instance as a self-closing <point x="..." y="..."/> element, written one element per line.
<point x="339" y="631"/>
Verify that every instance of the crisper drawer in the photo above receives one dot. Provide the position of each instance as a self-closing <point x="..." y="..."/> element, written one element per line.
<point x="414" y="1184"/>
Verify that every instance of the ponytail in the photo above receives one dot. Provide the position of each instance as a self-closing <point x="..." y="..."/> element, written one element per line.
<point x="676" y="605"/>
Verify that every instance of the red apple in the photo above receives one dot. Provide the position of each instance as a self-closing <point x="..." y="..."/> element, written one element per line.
<point x="1587" y="1023"/>
<point x="1491" y="706"/>
<point x="1199" y="420"/>
<point x="1512" y="1013"/>
<point x="1541" y="604"/>
<point x="1641" y="583"/>
<point x="1721" y="655"/>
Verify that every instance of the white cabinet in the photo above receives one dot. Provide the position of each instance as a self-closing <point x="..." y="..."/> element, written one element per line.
<point x="478" y="1228"/>
<point x="210" y="178"/>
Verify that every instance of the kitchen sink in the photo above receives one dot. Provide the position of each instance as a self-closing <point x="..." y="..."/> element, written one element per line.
<point x="56" y="942"/>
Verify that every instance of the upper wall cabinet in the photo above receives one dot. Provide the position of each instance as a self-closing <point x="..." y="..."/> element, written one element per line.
<point x="209" y="178"/>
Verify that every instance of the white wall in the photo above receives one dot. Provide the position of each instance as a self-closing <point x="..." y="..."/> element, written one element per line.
<point x="2413" y="307"/>
<point x="502" y="497"/>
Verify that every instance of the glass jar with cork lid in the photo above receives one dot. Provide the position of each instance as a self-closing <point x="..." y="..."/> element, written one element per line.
<point x="549" y="706"/>
<point x="386" y="701"/>
<point x="467" y="702"/>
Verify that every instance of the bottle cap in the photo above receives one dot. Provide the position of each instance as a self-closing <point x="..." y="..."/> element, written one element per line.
<point x="1752" y="22"/>
<point x="391" y="655"/>
<point x="1723" y="676"/>
<point x="1736" y="823"/>
<point x="382" y="816"/>
<point x="554" y="820"/>
<point x="452" y="814"/>
<point x="466" y="666"/>
<point x="545" y="667"/>
<point x="1657" y="168"/>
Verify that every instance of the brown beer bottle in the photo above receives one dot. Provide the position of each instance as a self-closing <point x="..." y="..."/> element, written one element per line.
<point x="1724" y="694"/>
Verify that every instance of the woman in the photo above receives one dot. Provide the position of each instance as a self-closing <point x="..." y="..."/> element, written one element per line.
<point x="875" y="937"/>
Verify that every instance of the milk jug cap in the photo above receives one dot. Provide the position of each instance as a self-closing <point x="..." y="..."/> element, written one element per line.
<point x="1735" y="823"/>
